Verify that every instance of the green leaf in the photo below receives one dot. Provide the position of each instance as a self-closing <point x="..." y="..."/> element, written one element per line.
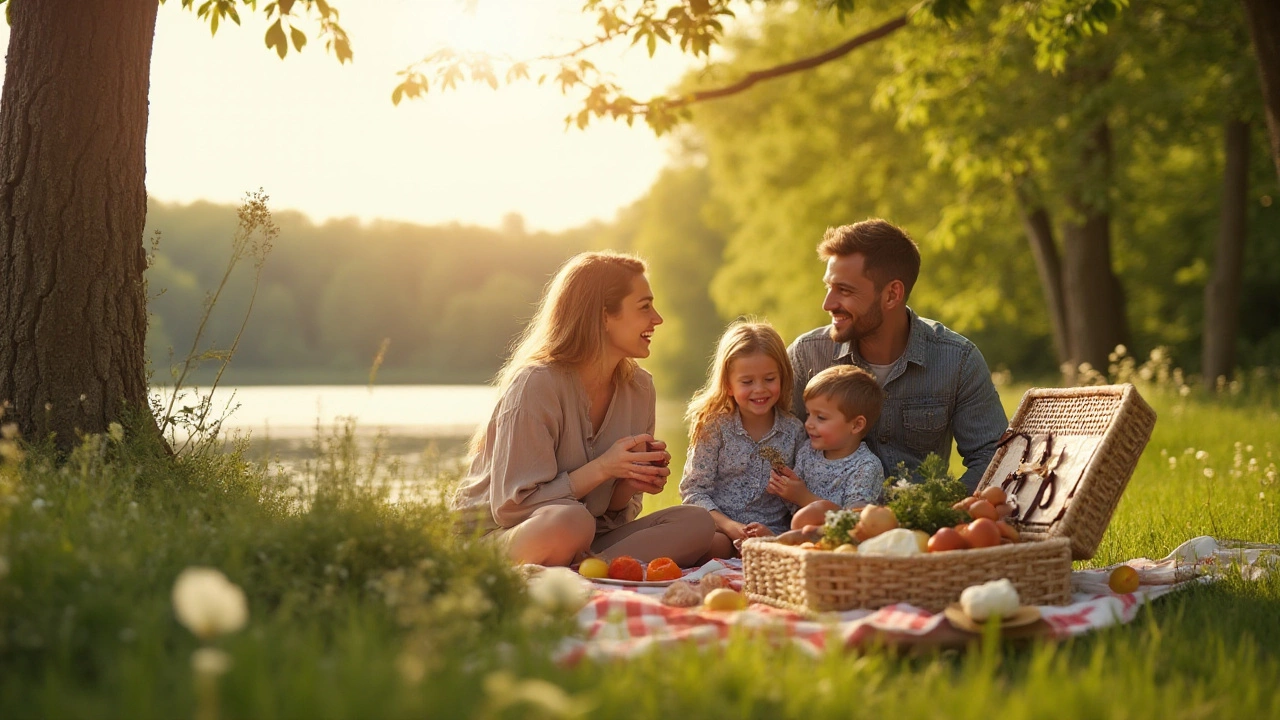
<point x="299" y="38"/>
<point x="276" y="39"/>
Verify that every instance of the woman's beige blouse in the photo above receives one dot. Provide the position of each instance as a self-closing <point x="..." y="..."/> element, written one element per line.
<point x="540" y="431"/>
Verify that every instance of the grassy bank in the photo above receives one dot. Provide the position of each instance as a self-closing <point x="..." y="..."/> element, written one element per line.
<point x="358" y="608"/>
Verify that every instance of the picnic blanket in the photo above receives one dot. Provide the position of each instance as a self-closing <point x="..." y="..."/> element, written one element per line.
<point x="620" y="622"/>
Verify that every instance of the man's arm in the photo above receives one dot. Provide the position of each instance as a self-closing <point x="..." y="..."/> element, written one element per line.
<point x="979" y="418"/>
<point x="802" y="373"/>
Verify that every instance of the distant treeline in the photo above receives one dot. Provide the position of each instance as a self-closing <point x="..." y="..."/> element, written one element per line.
<point x="447" y="300"/>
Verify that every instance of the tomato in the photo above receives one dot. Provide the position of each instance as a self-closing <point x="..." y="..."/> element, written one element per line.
<point x="983" y="509"/>
<point x="993" y="494"/>
<point x="626" y="568"/>
<point x="1007" y="531"/>
<point x="983" y="533"/>
<point x="947" y="539"/>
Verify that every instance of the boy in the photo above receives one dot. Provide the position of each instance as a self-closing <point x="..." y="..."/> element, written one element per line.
<point x="838" y="469"/>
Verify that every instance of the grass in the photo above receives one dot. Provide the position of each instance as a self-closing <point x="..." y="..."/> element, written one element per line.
<point x="360" y="608"/>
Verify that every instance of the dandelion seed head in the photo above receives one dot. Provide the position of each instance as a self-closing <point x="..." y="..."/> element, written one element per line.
<point x="559" y="589"/>
<point x="209" y="604"/>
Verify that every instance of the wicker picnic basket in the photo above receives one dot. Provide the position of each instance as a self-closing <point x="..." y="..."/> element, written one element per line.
<point x="1064" y="462"/>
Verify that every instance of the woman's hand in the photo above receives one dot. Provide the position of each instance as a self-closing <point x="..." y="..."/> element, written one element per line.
<point x="631" y="460"/>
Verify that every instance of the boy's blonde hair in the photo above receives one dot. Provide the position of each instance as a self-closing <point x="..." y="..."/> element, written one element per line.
<point x="742" y="338"/>
<point x="855" y="391"/>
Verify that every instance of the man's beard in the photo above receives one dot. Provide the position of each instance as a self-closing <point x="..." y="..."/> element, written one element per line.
<point x="864" y="326"/>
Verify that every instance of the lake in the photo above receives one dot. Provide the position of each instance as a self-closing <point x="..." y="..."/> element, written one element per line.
<point x="286" y="422"/>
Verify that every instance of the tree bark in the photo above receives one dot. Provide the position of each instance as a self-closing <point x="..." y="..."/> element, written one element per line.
<point x="73" y="127"/>
<point x="1264" y="28"/>
<point x="1222" y="294"/>
<point x="1039" y="228"/>
<point x="1095" y="304"/>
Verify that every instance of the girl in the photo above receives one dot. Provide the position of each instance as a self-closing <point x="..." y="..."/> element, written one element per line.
<point x="737" y="421"/>
<point x="561" y="467"/>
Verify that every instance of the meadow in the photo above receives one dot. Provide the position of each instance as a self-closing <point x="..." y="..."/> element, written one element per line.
<point x="362" y="608"/>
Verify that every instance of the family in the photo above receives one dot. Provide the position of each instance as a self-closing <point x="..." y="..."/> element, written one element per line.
<point x="778" y="435"/>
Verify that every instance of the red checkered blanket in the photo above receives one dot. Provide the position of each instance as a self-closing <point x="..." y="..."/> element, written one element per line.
<point x="621" y="622"/>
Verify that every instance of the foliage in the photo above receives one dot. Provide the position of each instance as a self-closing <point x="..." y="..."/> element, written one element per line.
<point x="696" y="27"/>
<point x="287" y="26"/>
<point x="449" y="299"/>
<point x="837" y="527"/>
<point x="922" y="500"/>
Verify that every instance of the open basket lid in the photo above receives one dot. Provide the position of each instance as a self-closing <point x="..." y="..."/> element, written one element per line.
<point x="1066" y="458"/>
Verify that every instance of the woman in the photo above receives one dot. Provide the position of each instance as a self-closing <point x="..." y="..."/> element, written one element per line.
<point x="562" y="466"/>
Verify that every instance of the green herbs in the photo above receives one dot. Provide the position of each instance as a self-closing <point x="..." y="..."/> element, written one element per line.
<point x="836" y="529"/>
<point x="923" y="500"/>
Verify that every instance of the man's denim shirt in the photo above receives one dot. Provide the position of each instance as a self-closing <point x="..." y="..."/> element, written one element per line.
<point x="939" y="389"/>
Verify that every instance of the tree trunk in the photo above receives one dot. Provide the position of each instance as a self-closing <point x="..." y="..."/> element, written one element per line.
<point x="1035" y="220"/>
<point x="1095" y="305"/>
<point x="73" y="127"/>
<point x="1264" y="28"/>
<point x="1222" y="294"/>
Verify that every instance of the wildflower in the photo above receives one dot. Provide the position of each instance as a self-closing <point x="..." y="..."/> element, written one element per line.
<point x="1173" y="463"/>
<point x="207" y="603"/>
<point x="116" y="431"/>
<point x="9" y="430"/>
<point x="559" y="590"/>
<point x="1201" y="454"/>
<point x="1208" y="472"/>
<point x="39" y="504"/>
<point x="210" y="661"/>
<point x="1121" y="350"/>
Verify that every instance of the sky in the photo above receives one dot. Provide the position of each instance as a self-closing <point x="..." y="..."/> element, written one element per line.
<point x="228" y="116"/>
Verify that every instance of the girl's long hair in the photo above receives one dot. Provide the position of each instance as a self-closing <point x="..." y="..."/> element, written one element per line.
<point x="742" y="338"/>
<point x="568" y="326"/>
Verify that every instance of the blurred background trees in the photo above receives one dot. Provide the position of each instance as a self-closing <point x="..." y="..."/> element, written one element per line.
<point x="1069" y="195"/>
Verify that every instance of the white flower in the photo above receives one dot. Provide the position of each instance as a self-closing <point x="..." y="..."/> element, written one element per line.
<point x="559" y="589"/>
<point x="116" y="431"/>
<point x="1208" y="472"/>
<point x="210" y="661"/>
<point x="1200" y="454"/>
<point x="39" y="504"/>
<point x="207" y="603"/>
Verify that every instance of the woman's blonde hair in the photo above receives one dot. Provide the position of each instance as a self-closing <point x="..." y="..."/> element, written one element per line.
<point x="742" y="338"/>
<point x="568" y="326"/>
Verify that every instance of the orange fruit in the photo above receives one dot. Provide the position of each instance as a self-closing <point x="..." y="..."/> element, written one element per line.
<point x="663" y="568"/>
<point x="626" y="568"/>
<point x="1123" y="580"/>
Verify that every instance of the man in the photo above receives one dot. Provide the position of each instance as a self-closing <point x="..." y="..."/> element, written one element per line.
<point x="937" y="385"/>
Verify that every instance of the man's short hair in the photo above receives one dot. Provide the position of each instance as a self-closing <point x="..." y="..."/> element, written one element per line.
<point x="855" y="391"/>
<point x="889" y="253"/>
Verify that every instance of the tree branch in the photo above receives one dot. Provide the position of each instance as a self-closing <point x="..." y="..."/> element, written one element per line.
<point x="801" y="65"/>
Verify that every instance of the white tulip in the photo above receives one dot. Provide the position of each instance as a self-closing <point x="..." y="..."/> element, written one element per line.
<point x="208" y="604"/>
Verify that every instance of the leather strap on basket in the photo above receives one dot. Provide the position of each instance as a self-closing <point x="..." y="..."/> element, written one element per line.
<point x="1043" y="505"/>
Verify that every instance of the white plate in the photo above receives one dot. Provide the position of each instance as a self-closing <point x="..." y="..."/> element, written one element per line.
<point x="1024" y="615"/>
<point x="694" y="576"/>
<point x="633" y="583"/>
